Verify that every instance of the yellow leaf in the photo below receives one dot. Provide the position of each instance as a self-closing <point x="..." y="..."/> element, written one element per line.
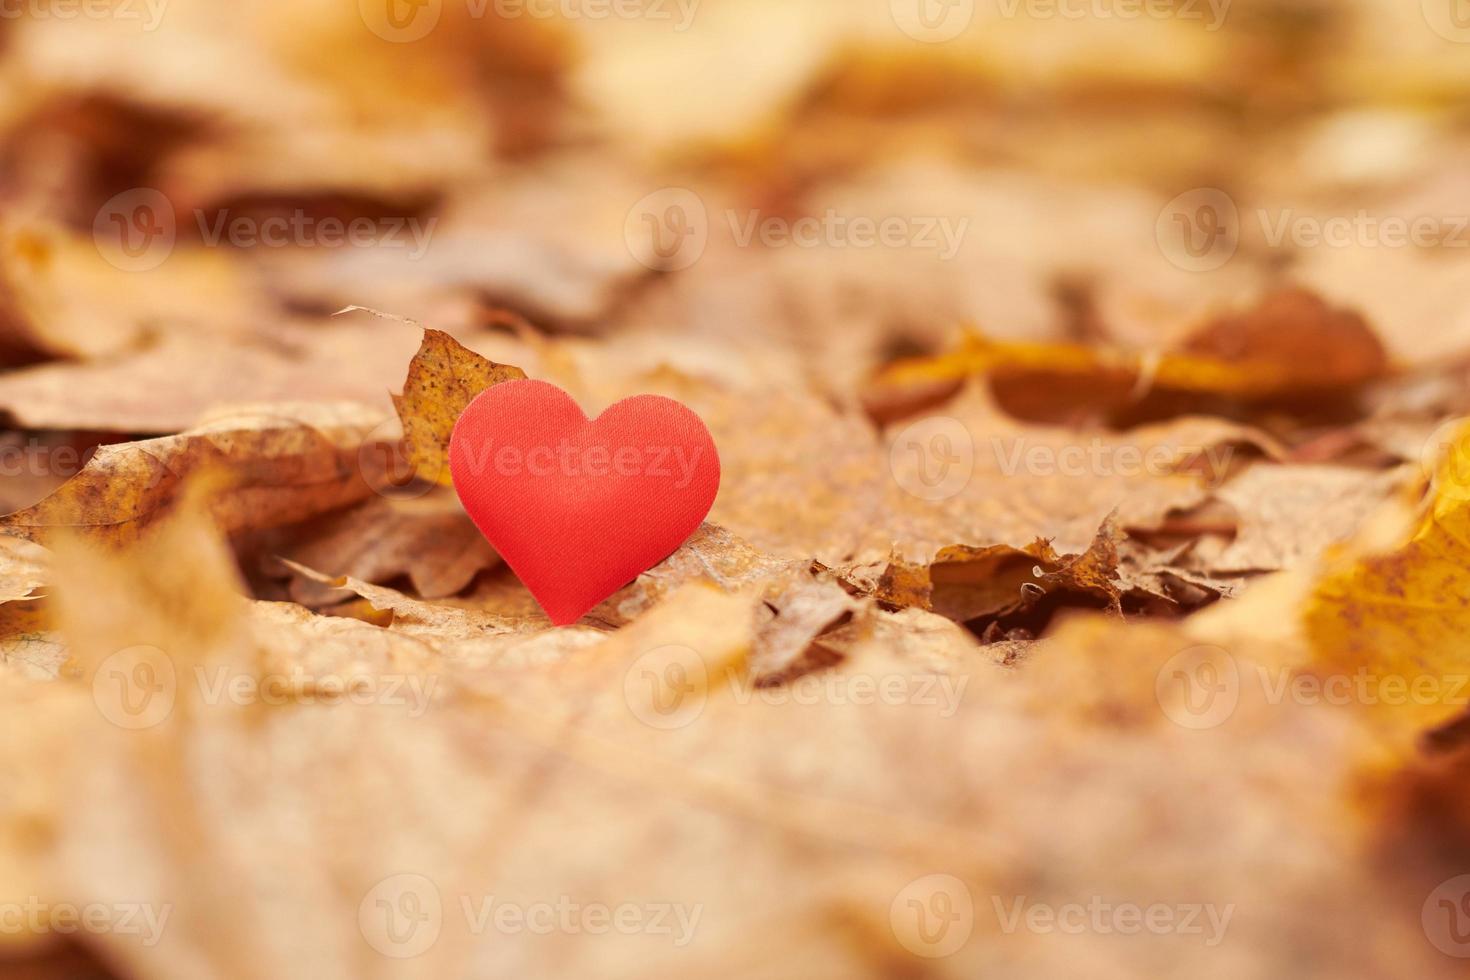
<point x="443" y="378"/>
<point x="1391" y="632"/>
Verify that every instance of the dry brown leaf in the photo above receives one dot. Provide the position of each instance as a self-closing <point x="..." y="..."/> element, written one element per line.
<point x="443" y="378"/>
<point x="1261" y="354"/>
<point x="275" y="465"/>
<point x="71" y="302"/>
<point x="428" y="539"/>
<point x="968" y="475"/>
<point x="1288" y="516"/>
<point x="168" y="386"/>
<point x="790" y="809"/>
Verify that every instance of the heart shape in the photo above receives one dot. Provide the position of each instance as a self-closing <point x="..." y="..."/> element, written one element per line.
<point x="580" y="508"/>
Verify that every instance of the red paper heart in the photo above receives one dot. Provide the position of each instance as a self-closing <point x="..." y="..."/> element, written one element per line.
<point x="580" y="508"/>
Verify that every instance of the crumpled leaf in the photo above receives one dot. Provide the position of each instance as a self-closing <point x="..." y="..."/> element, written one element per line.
<point x="275" y="465"/>
<point x="429" y="539"/>
<point x="443" y="378"/>
<point x="1010" y="483"/>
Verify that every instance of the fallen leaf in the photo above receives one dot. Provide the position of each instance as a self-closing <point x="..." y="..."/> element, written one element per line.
<point x="443" y="378"/>
<point x="1393" y="621"/>
<point x="275" y="465"/>
<point x="427" y="539"/>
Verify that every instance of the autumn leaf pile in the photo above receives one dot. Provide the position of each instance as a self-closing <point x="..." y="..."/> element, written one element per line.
<point x="1088" y="589"/>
